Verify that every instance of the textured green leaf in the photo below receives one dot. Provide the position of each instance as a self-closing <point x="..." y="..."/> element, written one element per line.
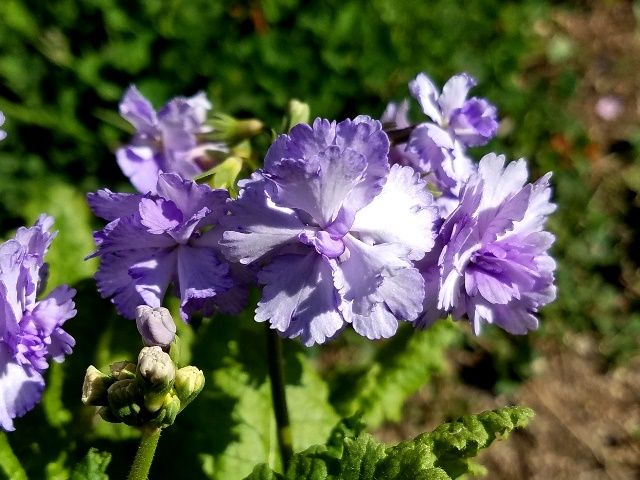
<point x="443" y="454"/>
<point x="92" y="467"/>
<point x="399" y="369"/>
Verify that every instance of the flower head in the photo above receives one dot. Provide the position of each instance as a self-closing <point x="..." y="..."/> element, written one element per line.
<point x="155" y="239"/>
<point x="335" y="231"/>
<point x="31" y="331"/>
<point x="471" y="121"/>
<point x="490" y="263"/>
<point x="165" y="141"/>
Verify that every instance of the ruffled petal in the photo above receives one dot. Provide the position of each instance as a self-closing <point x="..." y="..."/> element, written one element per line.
<point x="201" y="276"/>
<point x="257" y="226"/>
<point x="138" y="111"/>
<point x="141" y="163"/>
<point x="454" y="93"/>
<point x="109" y="205"/>
<point x="403" y="213"/>
<point x="427" y="94"/>
<point x="299" y="298"/>
<point x="20" y="389"/>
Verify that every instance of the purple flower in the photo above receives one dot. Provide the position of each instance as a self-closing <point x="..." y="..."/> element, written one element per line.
<point x="490" y="263"/>
<point x="471" y="121"/>
<point x="155" y="239"/>
<point x="335" y="231"/>
<point x="30" y="330"/>
<point x="3" y="134"/>
<point x="166" y="141"/>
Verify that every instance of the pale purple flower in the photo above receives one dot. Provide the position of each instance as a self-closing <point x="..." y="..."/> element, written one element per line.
<point x="3" y="134"/>
<point x="335" y="231"/>
<point x="491" y="262"/>
<point x="31" y="331"/>
<point x="609" y="107"/>
<point x="154" y="240"/>
<point x="473" y="121"/>
<point x="165" y="141"/>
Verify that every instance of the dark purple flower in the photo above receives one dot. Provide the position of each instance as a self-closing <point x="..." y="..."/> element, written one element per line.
<point x="471" y="121"/>
<point x="335" y="231"/>
<point x="490" y="263"/>
<point x="31" y="331"/>
<point x="166" y="141"/>
<point x="153" y="240"/>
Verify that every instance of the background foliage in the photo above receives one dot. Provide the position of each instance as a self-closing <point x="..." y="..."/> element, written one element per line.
<point x="63" y="67"/>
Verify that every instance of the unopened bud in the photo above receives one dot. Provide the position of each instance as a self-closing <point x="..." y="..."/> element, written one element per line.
<point x="168" y="411"/>
<point x="124" y="400"/>
<point x="188" y="384"/>
<point x="297" y="112"/>
<point x="155" y="325"/>
<point x="157" y="372"/>
<point x="231" y="130"/>
<point x="123" y="370"/>
<point x="94" y="388"/>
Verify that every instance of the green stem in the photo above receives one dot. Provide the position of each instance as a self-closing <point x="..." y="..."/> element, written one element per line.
<point x="276" y="374"/>
<point x="144" y="457"/>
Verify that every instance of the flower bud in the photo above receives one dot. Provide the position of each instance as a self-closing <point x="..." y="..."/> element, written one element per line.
<point x="123" y="370"/>
<point x="155" y="325"/>
<point x="168" y="411"/>
<point x="124" y="400"/>
<point x="188" y="384"/>
<point x="94" y="388"/>
<point x="231" y="130"/>
<point x="297" y="112"/>
<point x="157" y="373"/>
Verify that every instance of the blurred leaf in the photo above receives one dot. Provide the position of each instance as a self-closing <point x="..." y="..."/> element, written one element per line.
<point x="400" y="368"/>
<point x="92" y="467"/>
<point x="9" y="463"/>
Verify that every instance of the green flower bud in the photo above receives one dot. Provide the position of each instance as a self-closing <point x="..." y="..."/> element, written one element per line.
<point x="124" y="400"/>
<point x="123" y="370"/>
<point x="297" y="112"/>
<point x="188" y="384"/>
<point x="94" y="388"/>
<point x="168" y="411"/>
<point x="231" y="130"/>
<point x="157" y="372"/>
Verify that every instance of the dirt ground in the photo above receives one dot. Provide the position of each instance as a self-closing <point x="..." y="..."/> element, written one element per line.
<point x="587" y="423"/>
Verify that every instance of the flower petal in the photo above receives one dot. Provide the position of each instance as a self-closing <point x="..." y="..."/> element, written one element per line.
<point x="299" y="298"/>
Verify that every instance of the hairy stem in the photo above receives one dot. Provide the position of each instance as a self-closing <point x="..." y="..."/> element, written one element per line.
<point x="144" y="457"/>
<point x="276" y="374"/>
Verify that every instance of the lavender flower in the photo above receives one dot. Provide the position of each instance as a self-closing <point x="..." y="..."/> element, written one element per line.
<point x="30" y="330"/>
<point x="335" y="230"/>
<point x="165" y="141"/>
<point x="3" y="134"/>
<point x="153" y="240"/>
<point x="490" y="263"/>
<point x="472" y="121"/>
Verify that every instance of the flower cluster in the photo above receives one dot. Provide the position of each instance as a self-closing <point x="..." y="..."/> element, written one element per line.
<point x="165" y="141"/>
<point x="156" y="239"/>
<point x="31" y="331"/>
<point x="339" y="226"/>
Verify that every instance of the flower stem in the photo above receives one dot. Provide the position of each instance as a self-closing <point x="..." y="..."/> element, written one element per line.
<point x="144" y="457"/>
<point x="276" y="374"/>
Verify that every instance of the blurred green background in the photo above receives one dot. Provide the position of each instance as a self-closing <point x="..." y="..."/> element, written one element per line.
<point x="64" y="65"/>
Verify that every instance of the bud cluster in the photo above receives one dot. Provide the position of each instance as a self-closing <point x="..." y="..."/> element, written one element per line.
<point x="150" y="392"/>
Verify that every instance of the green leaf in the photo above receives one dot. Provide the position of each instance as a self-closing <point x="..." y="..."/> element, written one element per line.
<point x="443" y="454"/>
<point x="400" y="368"/>
<point x="225" y="174"/>
<point x="92" y="467"/>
